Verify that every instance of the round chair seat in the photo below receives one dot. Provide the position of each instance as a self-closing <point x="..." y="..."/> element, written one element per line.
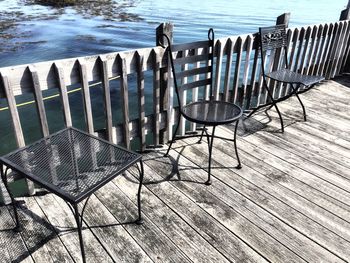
<point x="212" y="112"/>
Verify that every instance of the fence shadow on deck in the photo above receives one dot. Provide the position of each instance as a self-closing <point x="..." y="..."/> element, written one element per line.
<point x="36" y="231"/>
<point x="344" y="80"/>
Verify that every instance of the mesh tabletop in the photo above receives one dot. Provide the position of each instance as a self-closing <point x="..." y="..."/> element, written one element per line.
<point x="212" y="112"/>
<point x="289" y="76"/>
<point x="71" y="163"/>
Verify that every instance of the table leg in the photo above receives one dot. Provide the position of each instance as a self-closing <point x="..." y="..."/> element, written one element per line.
<point x="79" y="225"/>
<point x="139" y="220"/>
<point x="18" y="227"/>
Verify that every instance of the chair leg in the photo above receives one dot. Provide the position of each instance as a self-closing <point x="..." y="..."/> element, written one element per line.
<point x="141" y="172"/>
<point x="295" y="90"/>
<point x="210" y="145"/>
<point x="173" y="139"/>
<point x="275" y="105"/>
<point x="239" y="166"/>
<point x="200" y="139"/>
<point x="268" y="108"/>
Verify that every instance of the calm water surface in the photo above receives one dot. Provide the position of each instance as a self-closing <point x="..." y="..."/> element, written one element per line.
<point x="31" y="33"/>
<point x="42" y="33"/>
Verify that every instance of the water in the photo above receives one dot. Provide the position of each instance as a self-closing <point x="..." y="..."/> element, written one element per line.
<point x="32" y="33"/>
<point x="43" y="33"/>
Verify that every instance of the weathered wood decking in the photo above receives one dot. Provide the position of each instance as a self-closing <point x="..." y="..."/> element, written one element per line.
<point x="289" y="203"/>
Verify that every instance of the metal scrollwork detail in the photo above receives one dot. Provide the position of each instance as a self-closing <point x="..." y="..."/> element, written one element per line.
<point x="273" y="39"/>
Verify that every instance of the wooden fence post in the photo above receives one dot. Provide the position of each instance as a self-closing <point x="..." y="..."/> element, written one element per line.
<point x="283" y="19"/>
<point x="345" y="15"/>
<point x="166" y="93"/>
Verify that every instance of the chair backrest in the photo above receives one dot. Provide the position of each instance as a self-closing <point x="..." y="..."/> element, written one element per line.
<point x="192" y="66"/>
<point x="273" y="39"/>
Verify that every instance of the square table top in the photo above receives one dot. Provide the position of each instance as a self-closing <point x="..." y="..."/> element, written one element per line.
<point x="71" y="163"/>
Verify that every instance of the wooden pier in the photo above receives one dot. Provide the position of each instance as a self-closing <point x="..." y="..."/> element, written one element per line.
<point x="289" y="203"/>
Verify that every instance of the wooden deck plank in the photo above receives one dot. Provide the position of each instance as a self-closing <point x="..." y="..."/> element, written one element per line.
<point x="121" y="246"/>
<point x="170" y="223"/>
<point x="334" y="172"/>
<point x="311" y="168"/>
<point x="331" y="212"/>
<point x="215" y="233"/>
<point x="335" y="118"/>
<point x="332" y="107"/>
<point x="296" y="153"/>
<point x="249" y="232"/>
<point x="290" y="202"/>
<point x="274" y="205"/>
<point x="12" y="246"/>
<point x="306" y="184"/>
<point x="337" y="156"/>
<point x="40" y="236"/>
<point x="60" y="216"/>
<point x="154" y="242"/>
<point x="321" y="123"/>
<point x="283" y="234"/>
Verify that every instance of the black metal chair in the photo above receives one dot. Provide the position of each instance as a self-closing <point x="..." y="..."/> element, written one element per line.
<point x="274" y="39"/>
<point x="193" y="64"/>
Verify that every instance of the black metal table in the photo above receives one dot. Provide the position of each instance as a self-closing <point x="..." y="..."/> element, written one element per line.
<point x="73" y="165"/>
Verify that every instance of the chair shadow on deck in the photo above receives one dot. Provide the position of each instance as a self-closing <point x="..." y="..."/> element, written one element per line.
<point x="172" y="169"/>
<point x="261" y="122"/>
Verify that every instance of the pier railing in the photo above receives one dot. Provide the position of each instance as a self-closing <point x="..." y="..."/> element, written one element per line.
<point x="318" y="50"/>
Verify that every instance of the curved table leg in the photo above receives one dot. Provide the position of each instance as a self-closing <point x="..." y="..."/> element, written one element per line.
<point x="78" y="220"/>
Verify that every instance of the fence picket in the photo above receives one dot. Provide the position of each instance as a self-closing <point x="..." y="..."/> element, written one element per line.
<point x="64" y="96"/>
<point x="124" y="95"/>
<point x="86" y="97"/>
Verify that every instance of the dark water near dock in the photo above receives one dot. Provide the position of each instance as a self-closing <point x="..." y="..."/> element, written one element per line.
<point x="32" y="33"/>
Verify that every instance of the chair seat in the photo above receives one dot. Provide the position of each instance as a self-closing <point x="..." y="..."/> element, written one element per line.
<point x="212" y="112"/>
<point x="288" y="76"/>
